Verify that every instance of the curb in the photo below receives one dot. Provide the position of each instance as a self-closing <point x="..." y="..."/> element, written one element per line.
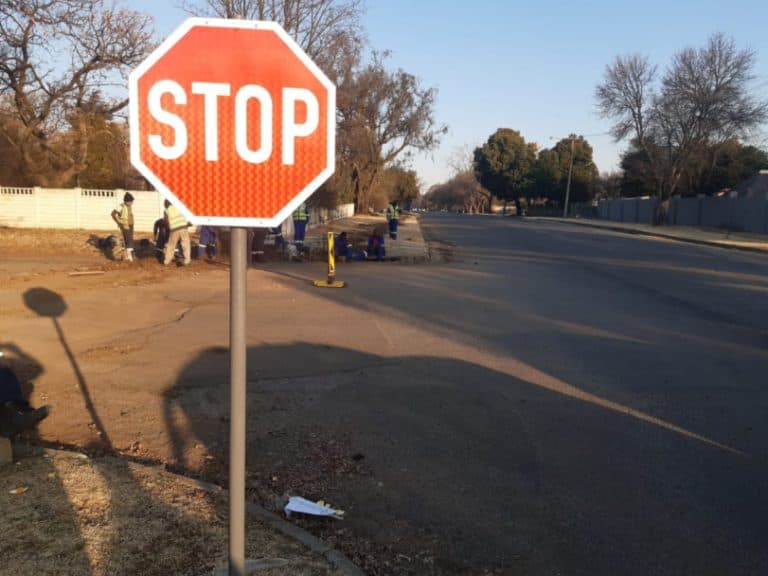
<point x="313" y="543"/>
<point x="687" y="240"/>
<point x="341" y="562"/>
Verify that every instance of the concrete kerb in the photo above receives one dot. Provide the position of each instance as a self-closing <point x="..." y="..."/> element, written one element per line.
<point x="274" y="521"/>
<point x="341" y="562"/>
<point x="680" y="236"/>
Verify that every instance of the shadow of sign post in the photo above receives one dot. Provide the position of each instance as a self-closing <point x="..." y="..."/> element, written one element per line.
<point x="49" y="304"/>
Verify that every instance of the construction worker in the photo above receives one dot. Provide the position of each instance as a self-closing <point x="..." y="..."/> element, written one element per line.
<point x="300" y="220"/>
<point x="342" y="247"/>
<point x="393" y="216"/>
<point x="123" y="217"/>
<point x="161" y="233"/>
<point x="375" y="247"/>
<point x="277" y="232"/>
<point x="207" y="245"/>
<point x="177" y="225"/>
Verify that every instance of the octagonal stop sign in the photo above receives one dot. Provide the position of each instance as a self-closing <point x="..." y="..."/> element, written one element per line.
<point x="232" y="122"/>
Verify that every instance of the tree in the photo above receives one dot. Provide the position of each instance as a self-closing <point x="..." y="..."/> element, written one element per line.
<point x="637" y="174"/>
<point x="503" y="165"/>
<point x="703" y="100"/>
<point x="714" y="169"/>
<point x="56" y="60"/>
<point x="461" y="192"/>
<point x="383" y="117"/>
<point x="400" y="184"/>
<point x="546" y="176"/>
<point x="709" y="169"/>
<point x="106" y="164"/>
<point x="583" y="170"/>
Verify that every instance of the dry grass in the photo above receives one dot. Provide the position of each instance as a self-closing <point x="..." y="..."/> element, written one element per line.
<point x="106" y="516"/>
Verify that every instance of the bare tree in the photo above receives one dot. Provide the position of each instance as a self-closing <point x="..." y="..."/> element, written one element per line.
<point x="60" y="62"/>
<point x="461" y="159"/>
<point x="461" y="192"/>
<point x="384" y="116"/>
<point x="703" y="100"/>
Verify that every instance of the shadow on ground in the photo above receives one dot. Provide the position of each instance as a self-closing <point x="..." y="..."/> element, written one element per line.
<point x="447" y="467"/>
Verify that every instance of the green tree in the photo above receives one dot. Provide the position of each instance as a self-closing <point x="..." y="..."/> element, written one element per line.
<point x="708" y="171"/>
<point x="637" y="175"/>
<point x="400" y="184"/>
<point x="724" y="167"/>
<point x="503" y="165"/>
<point x="546" y="176"/>
<point x="106" y="160"/>
<point x="583" y="170"/>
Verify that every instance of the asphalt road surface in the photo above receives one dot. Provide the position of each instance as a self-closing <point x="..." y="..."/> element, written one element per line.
<point x="552" y="400"/>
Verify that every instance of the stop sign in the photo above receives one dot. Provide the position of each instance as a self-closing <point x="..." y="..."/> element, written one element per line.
<point x="232" y="122"/>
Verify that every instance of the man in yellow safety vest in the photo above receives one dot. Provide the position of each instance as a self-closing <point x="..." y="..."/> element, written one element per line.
<point x="177" y="225"/>
<point x="123" y="217"/>
<point x="393" y="216"/>
<point x="300" y="220"/>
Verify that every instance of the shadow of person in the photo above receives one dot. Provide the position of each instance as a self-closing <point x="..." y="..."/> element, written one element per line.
<point x="103" y="515"/>
<point x="18" y="371"/>
<point x="27" y="518"/>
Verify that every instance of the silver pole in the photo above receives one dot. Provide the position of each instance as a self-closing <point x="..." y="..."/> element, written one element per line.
<point x="237" y="351"/>
<point x="568" y="186"/>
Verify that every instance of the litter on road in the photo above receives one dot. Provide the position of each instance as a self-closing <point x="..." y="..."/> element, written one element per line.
<point x="304" y="506"/>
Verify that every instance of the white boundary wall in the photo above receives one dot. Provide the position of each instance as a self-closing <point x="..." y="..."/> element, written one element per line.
<point x="75" y="208"/>
<point x="88" y="209"/>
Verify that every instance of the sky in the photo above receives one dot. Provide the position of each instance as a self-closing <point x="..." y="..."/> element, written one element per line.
<point x="532" y="66"/>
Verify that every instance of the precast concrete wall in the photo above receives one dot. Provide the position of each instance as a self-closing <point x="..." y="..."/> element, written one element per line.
<point x="89" y="209"/>
<point x="732" y="213"/>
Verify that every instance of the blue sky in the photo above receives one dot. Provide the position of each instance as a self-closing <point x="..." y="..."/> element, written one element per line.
<point x="532" y="66"/>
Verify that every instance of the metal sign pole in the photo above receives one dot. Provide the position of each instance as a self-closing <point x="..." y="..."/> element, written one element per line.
<point x="237" y="351"/>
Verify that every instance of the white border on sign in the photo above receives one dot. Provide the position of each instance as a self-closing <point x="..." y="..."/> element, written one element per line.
<point x="133" y="106"/>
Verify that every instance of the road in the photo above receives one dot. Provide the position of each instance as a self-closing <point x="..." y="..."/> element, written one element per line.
<point x="552" y="399"/>
<point x="555" y="400"/>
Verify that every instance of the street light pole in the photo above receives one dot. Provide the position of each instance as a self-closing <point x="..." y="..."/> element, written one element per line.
<point x="568" y="185"/>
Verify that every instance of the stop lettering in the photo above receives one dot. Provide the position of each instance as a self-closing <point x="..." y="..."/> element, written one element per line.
<point x="211" y="91"/>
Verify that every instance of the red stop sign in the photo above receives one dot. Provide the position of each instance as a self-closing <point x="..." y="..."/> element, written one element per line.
<point x="232" y="122"/>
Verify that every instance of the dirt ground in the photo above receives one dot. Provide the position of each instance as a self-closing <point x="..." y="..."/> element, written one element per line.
<point x="68" y="514"/>
<point x="100" y="510"/>
<point x="124" y="353"/>
<point x="116" y="349"/>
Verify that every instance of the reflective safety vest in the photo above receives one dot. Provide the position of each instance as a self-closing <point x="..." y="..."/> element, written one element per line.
<point x="392" y="213"/>
<point x="126" y="216"/>
<point x="301" y="213"/>
<point x="176" y="219"/>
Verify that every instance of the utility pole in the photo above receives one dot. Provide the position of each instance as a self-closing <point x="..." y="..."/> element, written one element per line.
<point x="568" y="185"/>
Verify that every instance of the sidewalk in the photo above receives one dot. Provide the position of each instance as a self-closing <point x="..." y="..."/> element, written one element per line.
<point x="410" y="245"/>
<point x="67" y="513"/>
<point x="704" y="236"/>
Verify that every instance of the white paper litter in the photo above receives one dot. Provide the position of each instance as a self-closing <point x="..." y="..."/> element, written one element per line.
<point x="304" y="506"/>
